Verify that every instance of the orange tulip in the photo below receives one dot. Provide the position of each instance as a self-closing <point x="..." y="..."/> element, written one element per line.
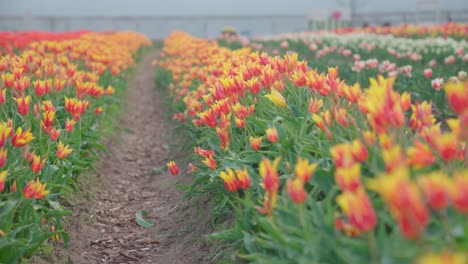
<point x="276" y="98"/>
<point x="70" y="125"/>
<point x="304" y="170"/>
<point x="98" y="110"/>
<point x="2" y="96"/>
<point x="268" y="172"/>
<point x="63" y="151"/>
<point x="358" y="209"/>
<point x="359" y="151"/>
<point x="243" y="178"/>
<point x="21" y="138"/>
<point x="48" y="118"/>
<point x="40" y="87"/>
<point x="457" y="96"/>
<point x="54" y="134"/>
<point x="459" y="191"/>
<point x="296" y="190"/>
<point x="3" y="176"/>
<point x="445" y="257"/>
<point x="173" y="169"/>
<point x="223" y="135"/>
<point x="255" y="143"/>
<point x="403" y="200"/>
<point x="422" y="116"/>
<point x="47" y="106"/>
<point x="5" y="131"/>
<point x="210" y="163"/>
<point x="3" y="157"/>
<point x="272" y="134"/>
<point x="230" y="181"/>
<point x="447" y="146"/>
<point x="435" y="187"/>
<point x="203" y="152"/>
<point x="348" y="179"/>
<point x="35" y="189"/>
<point x="420" y="155"/>
<point x="315" y="105"/>
<point x="8" y="79"/>
<point x="37" y="164"/>
<point x="23" y="105"/>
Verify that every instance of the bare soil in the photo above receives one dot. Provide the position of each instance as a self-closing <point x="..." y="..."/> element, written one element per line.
<point x="102" y="228"/>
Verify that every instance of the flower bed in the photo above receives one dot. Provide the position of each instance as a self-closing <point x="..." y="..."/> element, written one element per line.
<point x="316" y="169"/>
<point x="53" y="97"/>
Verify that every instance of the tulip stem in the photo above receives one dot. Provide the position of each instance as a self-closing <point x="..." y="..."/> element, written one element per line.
<point x="466" y="156"/>
<point x="302" y="216"/>
<point x="447" y="228"/>
<point x="372" y="247"/>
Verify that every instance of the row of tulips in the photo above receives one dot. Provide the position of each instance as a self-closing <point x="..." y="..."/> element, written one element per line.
<point x="11" y="41"/>
<point x="448" y="30"/>
<point x="405" y="30"/>
<point x="422" y="65"/>
<point x="318" y="170"/>
<point x="53" y="96"/>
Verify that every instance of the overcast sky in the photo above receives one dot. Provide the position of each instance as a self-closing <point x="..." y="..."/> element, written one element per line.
<point x="201" y="7"/>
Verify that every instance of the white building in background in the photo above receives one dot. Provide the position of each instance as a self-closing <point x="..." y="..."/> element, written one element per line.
<point x="204" y="18"/>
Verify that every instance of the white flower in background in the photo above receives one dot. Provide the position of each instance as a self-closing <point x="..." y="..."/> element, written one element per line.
<point x="427" y="73"/>
<point x="392" y="74"/>
<point x="284" y="44"/>
<point x="449" y="60"/>
<point x="313" y="47"/>
<point x="372" y="63"/>
<point x="462" y="75"/>
<point x="346" y="52"/>
<point x="358" y="66"/>
<point x="437" y="83"/>
<point x="407" y="70"/>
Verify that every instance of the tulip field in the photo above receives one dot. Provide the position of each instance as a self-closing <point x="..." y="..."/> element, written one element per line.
<point x="343" y="146"/>
<point x="55" y="92"/>
<point x="329" y="147"/>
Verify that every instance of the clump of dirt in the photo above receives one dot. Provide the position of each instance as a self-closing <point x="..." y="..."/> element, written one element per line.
<point x="103" y="227"/>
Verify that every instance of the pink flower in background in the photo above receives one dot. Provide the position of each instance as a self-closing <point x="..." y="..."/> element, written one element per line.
<point x="460" y="51"/>
<point x="346" y="53"/>
<point x="428" y="73"/>
<point x="336" y="15"/>
<point x="449" y="60"/>
<point x="392" y="74"/>
<point x="358" y="66"/>
<point x="244" y="40"/>
<point x="312" y="47"/>
<point x="372" y="63"/>
<point x="414" y="56"/>
<point x="407" y="70"/>
<point x="437" y="83"/>
<point x="284" y="44"/>
<point x="356" y="57"/>
<point x="432" y="63"/>
<point x="370" y="47"/>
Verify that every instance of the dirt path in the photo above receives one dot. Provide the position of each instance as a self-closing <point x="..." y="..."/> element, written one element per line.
<point x="103" y="229"/>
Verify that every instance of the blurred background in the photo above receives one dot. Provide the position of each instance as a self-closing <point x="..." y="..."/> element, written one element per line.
<point x="207" y="18"/>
